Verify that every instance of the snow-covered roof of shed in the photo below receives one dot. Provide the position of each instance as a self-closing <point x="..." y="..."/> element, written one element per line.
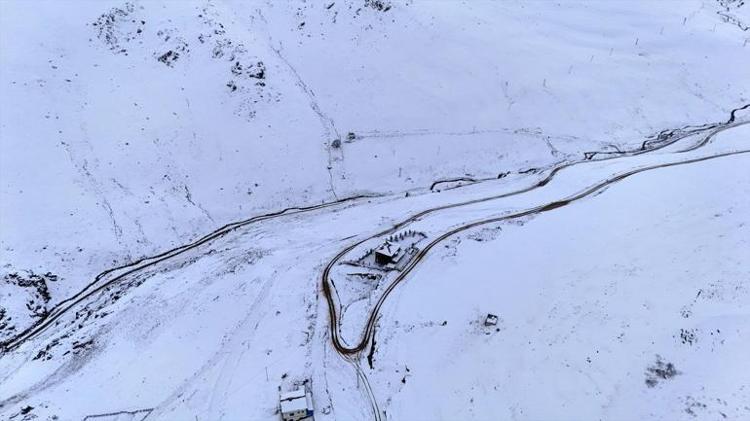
<point x="293" y="401"/>
<point x="297" y="393"/>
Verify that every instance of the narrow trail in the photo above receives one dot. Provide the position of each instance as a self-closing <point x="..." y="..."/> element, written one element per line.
<point x="330" y="132"/>
<point x="730" y="123"/>
<point x="368" y="389"/>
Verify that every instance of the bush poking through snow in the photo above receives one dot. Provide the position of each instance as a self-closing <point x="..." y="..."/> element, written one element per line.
<point x="118" y="27"/>
<point x="661" y="370"/>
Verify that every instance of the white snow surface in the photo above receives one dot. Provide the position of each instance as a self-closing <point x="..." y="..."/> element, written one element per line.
<point x="121" y="156"/>
<point x="127" y="129"/>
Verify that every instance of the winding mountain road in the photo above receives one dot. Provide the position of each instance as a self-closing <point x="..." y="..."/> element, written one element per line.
<point x="328" y="288"/>
<point x="371" y="321"/>
<point x="352" y="354"/>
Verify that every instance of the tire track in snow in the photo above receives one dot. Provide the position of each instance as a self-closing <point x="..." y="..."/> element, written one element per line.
<point x="368" y="389"/>
<point x="231" y="359"/>
<point x="221" y="388"/>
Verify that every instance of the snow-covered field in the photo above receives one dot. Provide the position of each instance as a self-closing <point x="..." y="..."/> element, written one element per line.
<point x="590" y="298"/>
<point x="129" y="129"/>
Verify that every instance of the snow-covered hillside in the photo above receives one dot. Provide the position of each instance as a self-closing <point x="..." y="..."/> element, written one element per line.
<point x="298" y="136"/>
<point x="132" y="127"/>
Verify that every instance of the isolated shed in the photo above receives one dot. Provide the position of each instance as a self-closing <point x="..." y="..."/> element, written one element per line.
<point x="295" y="405"/>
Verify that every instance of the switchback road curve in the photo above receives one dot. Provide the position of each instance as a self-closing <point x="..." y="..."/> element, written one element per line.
<point x="366" y="337"/>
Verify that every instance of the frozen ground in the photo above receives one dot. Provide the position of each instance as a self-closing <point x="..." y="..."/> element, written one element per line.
<point x="590" y="299"/>
<point x="584" y="311"/>
<point x="122" y="151"/>
<point x="129" y="129"/>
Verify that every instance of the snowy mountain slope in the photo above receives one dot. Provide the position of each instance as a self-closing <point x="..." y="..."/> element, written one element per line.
<point x="154" y="122"/>
<point x="214" y="332"/>
<point x="655" y="271"/>
<point x="127" y="129"/>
